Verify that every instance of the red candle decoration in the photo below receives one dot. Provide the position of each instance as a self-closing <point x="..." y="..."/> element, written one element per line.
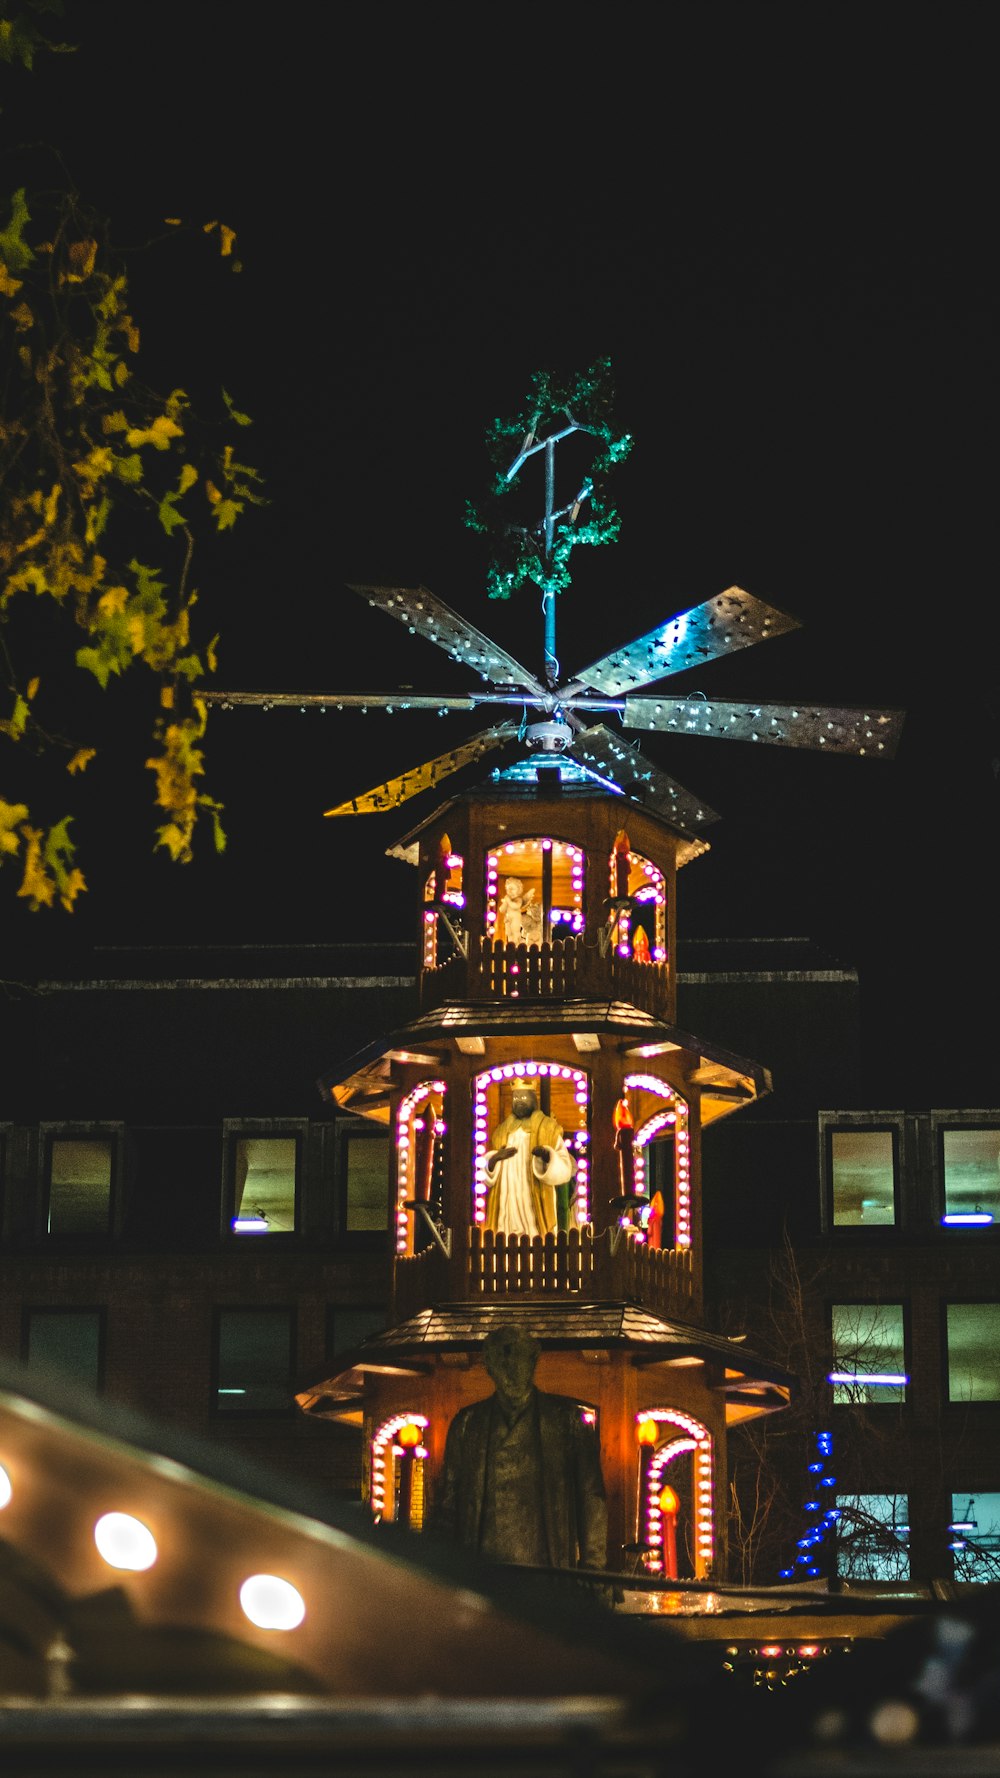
<point x="423" y="1156"/>
<point x="621" y="850"/>
<point x="624" y="1141"/>
<point x="669" y="1507"/>
<point x="654" y="1227"/>
<point x="640" y="946"/>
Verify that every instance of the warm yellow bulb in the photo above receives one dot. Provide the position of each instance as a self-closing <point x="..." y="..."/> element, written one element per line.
<point x="272" y="1603"/>
<point x="409" y="1435"/>
<point x="5" y="1487"/>
<point x="645" y="1432"/>
<point x="125" y="1542"/>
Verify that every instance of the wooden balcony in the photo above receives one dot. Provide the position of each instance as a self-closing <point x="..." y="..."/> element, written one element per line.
<point x="562" y="969"/>
<point x="489" y="1267"/>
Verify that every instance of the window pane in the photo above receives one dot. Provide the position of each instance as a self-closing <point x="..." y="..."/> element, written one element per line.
<point x="873" y="1537"/>
<point x="265" y="1184"/>
<point x="974" y="1351"/>
<point x="80" y="1185"/>
<point x="975" y="1536"/>
<point x="255" y="1360"/>
<point x="972" y="1173"/>
<point x="868" y="1345"/>
<point x="367" y="1195"/>
<point x="346" y="1328"/>
<point x="68" y="1340"/>
<point x="863" y="1174"/>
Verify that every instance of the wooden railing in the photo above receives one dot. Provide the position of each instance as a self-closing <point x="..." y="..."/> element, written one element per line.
<point x="559" y="969"/>
<point x="570" y="1263"/>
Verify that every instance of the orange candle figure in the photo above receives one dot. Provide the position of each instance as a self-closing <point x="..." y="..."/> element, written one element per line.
<point x="669" y="1507"/>
<point x="654" y="1227"/>
<point x="622" y="866"/>
<point x="640" y="946"/>
<point x="624" y="1141"/>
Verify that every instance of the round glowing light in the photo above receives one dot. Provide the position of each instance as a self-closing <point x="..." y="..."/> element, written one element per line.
<point x="272" y="1603"/>
<point x="646" y="1433"/>
<point x="125" y="1542"/>
<point x="409" y="1434"/>
<point x="5" y="1488"/>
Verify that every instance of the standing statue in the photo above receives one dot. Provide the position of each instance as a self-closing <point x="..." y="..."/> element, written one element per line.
<point x="522" y="1475"/>
<point x="529" y="1169"/>
<point x="522" y="919"/>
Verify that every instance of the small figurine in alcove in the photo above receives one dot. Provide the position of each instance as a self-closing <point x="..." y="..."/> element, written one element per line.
<point x="521" y="919"/>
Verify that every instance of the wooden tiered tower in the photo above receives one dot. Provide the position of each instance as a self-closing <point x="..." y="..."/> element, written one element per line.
<point x="578" y="998"/>
<point x="586" y="1013"/>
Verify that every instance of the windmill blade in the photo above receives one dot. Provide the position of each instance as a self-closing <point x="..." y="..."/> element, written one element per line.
<point x="732" y="620"/>
<point x="426" y="615"/>
<point x="829" y="728"/>
<point x="621" y="764"/>
<point x="394" y="791"/>
<point x="346" y="700"/>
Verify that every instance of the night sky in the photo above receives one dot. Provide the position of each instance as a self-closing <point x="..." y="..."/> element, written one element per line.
<point x="778" y="225"/>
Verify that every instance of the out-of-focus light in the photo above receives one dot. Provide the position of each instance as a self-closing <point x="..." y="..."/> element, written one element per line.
<point x="272" y="1603"/>
<point x="125" y="1542"/>
<point x="250" y="1225"/>
<point x="5" y="1488"/>
<point x="889" y="1378"/>
<point x="971" y="1216"/>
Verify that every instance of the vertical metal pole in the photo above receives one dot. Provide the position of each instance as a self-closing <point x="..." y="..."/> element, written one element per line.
<point x="549" y="593"/>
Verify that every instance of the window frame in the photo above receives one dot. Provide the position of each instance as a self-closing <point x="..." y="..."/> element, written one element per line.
<point x="271" y="1309"/>
<point x="903" y="1306"/>
<point x="350" y="1127"/>
<point x="97" y="1310"/>
<point x="80" y="1129"/>
<point x="233" y="1128"/>
<point x="830" y="1123"/>
<point x="962" y="1404"/>
<point x="941" y="1122"/>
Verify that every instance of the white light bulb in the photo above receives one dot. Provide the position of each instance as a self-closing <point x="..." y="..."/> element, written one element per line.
<point x="272" y="1603"/>
<point x="5" y="1488"/>
<point x="125" y="1542"/>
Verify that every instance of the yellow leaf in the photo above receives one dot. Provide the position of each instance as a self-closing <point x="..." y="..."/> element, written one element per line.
<point x="33" y="685"/>
<point x="81" y="759"/>
<point x="73" y="884"/>
<point x="8" y="286"/>
<point x="172" y="221"/>
<point x="158" y="434"/>
<point x="132" y="336"/>
<point x="112" y="603"/>
<point x="227" y="237"/>
<point x="166" y="697"/>
<point x="212" y="492"/>
<point x="136" y="630"/>
<point x="81" y="255"/>
<point x="22" y="317"/>
<point x="11" y="816"/>
<point x="189" y="475"/>
<point x="36" y="883"/>
<point x="207" y="227"/>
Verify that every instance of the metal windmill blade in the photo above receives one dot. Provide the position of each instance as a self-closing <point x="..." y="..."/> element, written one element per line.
<point x="393" y="791"/>
<point x="620" y="764"/>
<point x="830" y="728"/>
<point x="719" y="626"/>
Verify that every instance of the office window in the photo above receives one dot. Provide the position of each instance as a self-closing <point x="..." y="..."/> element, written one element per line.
<point x="974" y="1536"/>
<point x="265" y="1172"/>
<point x="868" y="1353"/>
<point x="79" y="1185"/>
<point x="970" y="1169"/>
<point x="873" y="1537"/>
<point x="973" y="1337"/>
<point x="365" y="1164"/>
<point x="346" y="1327"/>
<point x="254" y="1360"/>
<point x="68" y="1342"/>
<point x="862" y="1167"/>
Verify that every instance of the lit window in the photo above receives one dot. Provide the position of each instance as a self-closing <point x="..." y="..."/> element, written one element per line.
<point x="254" y="1360"/>
<point x="873" y="1537"/>
<point x="264" y="1176"/>
<point x="534" y="891"/>
<point x="974" y="1536"/>
<point x="862" y="1165"/>
<point x="973" y="1351"/>
<point x="67" y="1342"/>
<point x="80" y="1185"/>
<point x="365" y="1160"/>
<point x="971" y="1169"/>
<point x="868" y="1353"/>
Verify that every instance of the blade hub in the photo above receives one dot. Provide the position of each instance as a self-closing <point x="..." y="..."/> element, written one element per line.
<point x="548" y="737"/>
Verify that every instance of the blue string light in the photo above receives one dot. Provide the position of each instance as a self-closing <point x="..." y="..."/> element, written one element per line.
<point x="823" y="1518"/>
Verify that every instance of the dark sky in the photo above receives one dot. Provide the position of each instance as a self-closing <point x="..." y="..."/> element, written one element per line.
<point x="778" y="224"/>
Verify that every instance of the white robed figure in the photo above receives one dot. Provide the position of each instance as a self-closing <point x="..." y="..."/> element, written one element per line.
<point x="527" y="1163"/>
